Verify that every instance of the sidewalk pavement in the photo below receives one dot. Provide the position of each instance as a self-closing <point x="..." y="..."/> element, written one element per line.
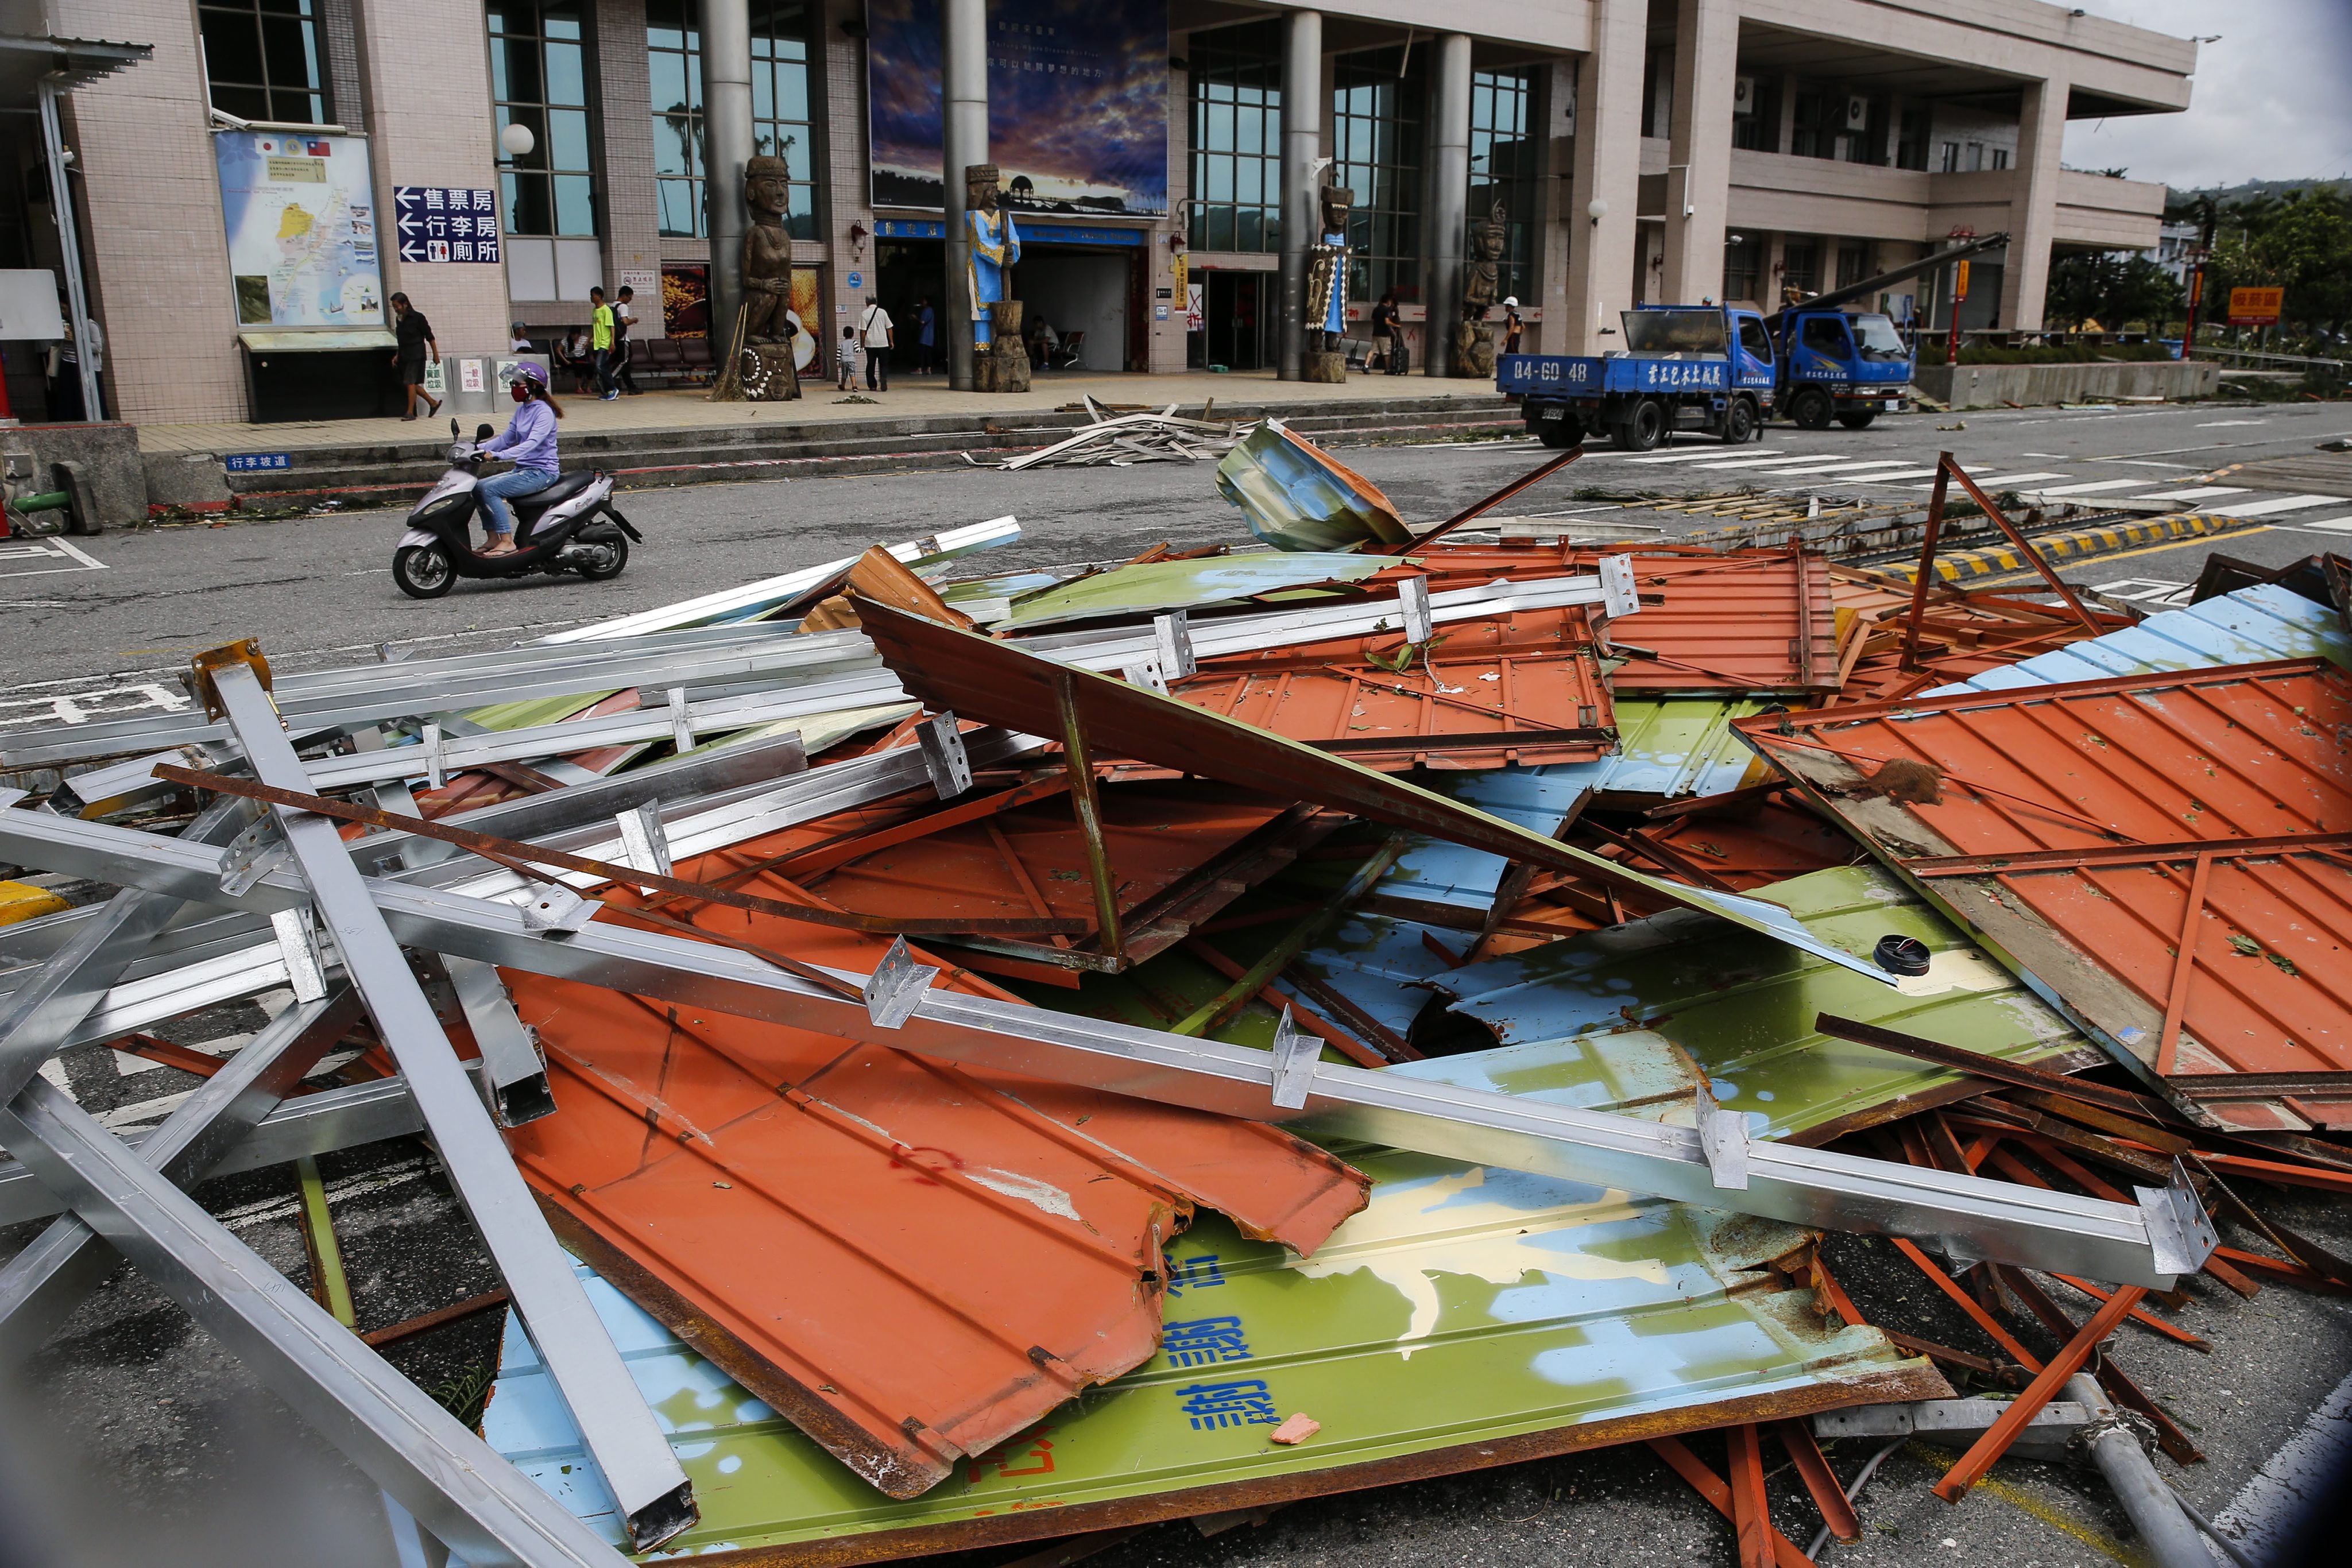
<point x="909" y="396"/>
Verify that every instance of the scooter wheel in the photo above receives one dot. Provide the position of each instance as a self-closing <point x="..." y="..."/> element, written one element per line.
<point x="616" y="556"/>
<point x="423" y="572"/>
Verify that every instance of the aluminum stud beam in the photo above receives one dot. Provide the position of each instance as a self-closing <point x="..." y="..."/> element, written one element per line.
<point x="2142" y="1244"/>
<point x="654" y="1497"/>
<point x="42" y="1284"/>
<point x="488" y="1513"/>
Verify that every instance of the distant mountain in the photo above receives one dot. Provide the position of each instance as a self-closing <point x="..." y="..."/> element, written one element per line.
<point x="2227" y="195"/>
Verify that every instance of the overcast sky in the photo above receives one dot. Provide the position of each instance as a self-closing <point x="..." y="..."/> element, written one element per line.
<point x="2273" y="99"/>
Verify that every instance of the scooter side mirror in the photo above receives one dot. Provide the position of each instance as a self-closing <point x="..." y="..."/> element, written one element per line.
<point x="481" y="432"/>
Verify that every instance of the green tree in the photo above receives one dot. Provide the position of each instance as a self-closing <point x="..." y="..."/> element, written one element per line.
<point x="2114" y="288"/>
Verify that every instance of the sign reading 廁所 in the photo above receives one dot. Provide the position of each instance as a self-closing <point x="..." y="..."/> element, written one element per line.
<point x="446" y="223"/>
<point x="2256" y="306"/>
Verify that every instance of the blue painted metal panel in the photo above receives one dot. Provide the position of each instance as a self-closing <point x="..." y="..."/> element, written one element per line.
<point x="2252" y="626"/>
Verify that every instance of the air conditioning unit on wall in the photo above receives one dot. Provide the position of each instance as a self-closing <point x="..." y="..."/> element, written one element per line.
<point x="1857" y="113"/>
<point x="1743" y="95"/>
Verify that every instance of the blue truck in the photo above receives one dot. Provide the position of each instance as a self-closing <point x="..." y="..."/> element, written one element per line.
<point x="1723" y="370"/>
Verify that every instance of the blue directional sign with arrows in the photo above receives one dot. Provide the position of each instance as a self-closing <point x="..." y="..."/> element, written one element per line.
<point x="445" y="223"/>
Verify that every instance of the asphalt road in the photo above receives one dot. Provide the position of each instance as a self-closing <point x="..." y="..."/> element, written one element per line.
<point x="318" y="590"/>
<point x="138" y="1437"/>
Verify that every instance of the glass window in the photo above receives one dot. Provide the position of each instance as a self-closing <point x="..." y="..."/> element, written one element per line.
<point x="1878" y="339"/>
<point x="781" y="125"/>
<point x="539" y="80"/>
<point x="1756" y="121"/>
<point x="1853" y="264"/>
<point x="2000" y="157"/>
<point x="1800" y="267"/>
<point x="1235" y="126"/>
<point x="1741" y="263"/>
<point x="1376" y="134"/>
<point x="1826" y="335"/>
<point x="1503" y="168"/>
<point x="1950" y="162"/>
<point x="1911" y="138"/>
<point x="1976" y="157"/>
<point x="1820" y="121"/>
<point x="261" y="60"/>
<point x="1755" y="339"/>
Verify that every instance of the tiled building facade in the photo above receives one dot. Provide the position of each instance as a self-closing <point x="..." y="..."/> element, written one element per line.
<point x="1638" y="149"/>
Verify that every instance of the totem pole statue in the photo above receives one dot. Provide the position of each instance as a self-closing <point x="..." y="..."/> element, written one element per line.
<point x="1323" y="359"/>
<point x="1473" y="340"/>
<point x="999" y="360"/>
<point x="764" y="359"/>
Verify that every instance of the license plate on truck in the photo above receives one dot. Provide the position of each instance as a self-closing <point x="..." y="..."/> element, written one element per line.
<point x="1553" y="411"/>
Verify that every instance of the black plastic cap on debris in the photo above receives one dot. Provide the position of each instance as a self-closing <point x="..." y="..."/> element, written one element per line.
<point x="1901" y="954"/>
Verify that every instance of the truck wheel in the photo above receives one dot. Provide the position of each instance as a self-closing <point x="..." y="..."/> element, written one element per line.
<point x="1564" y="431"/>
<point x="1642" y="428"/>
<point x="1739" y="422"/>
<point x="1812" y="409"/>
<point x="1857" y="421"/>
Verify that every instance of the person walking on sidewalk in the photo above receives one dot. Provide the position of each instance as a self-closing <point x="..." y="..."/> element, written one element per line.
<point x="624" y="317"/>
<point x="600" y="343"/>
<point x="529" y="444"/>
<point x="881" y="336"/>
<point x="1388" y="324"/>
<point x="846" y="362"/>
<point x="413" y="336"/>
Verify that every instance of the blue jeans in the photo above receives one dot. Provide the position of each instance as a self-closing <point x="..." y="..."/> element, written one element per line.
<point x="492" y="494"/>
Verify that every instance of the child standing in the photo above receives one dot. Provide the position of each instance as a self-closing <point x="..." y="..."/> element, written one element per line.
<point x="845" y="360"/>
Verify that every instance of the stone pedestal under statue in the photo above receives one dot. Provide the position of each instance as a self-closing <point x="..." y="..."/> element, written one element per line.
<point x="1002" y="364"/>
<point x="1328" y="366"/>
<point x="757" y="366"/>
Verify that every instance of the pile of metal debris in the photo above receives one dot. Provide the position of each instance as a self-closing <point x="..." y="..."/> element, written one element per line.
<point x="942" y="1061"/>
<point x="1118" y="439"/>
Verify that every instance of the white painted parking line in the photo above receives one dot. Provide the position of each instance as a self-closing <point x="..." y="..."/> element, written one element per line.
<point x="1691" y="455"/>
<point x="2329" y="525"/>
<point x="40" y="557"/>
<point x="2094" y="486"/>
<point x="1991" y="480"/>
<point x="1898" y="473"/>
<point x="1846" y="465"/>
<point x="2201" y="493"/>
<point x="2282" y="504"/>
<point x="101" y="702"/>
<point x="1784" y="461"/>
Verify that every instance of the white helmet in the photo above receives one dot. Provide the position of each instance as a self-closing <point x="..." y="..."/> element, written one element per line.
<point x="1512" y="301"/>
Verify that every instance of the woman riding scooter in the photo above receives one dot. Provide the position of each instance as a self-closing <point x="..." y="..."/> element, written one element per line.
<point x="530" y="445"/>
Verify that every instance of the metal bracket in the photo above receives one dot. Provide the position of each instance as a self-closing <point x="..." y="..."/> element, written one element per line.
<point x="944" y="755"/>
<point x="558" y="911"/>
<point x="1145" y="675"/>
<point x="1296" y="1053"/>
<point x="645" y="845"/>
<point x="1722" y="1138"/>
<point x="1172" y="636"/>
<point x="2178" y="1229"/>
<point x="1618" y="594"/>
<point x="298" y="943"/>
<point x="514" y="1075"/>
<point x="896" y="986"/>
<point x="435" y="774"/>
<point x="1412" y="598"/>
<point x="681" y="721"/>
<point x="251" y="856"/>
<point x="245" y="650"/>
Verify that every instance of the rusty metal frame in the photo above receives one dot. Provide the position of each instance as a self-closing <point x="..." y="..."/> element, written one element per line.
<point x="1948" y="468"/>
<point x="1080" y="763"/>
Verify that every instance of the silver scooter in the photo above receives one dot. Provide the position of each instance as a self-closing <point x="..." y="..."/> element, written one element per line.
<point x="571" y="525"/>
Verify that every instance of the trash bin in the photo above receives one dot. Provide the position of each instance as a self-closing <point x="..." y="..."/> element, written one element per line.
<point x="473" y="384"/>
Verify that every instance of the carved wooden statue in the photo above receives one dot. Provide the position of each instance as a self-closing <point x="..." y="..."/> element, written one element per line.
<point x="1326" y="289"/>
<point x="1482" y="287"/>
<point x="1000" y="358"/>
<point x="764" y="366"/>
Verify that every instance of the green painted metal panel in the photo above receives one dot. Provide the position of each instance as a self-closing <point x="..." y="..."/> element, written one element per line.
<point x="1463" y="1308"/>
<point x="1158" y="586"/>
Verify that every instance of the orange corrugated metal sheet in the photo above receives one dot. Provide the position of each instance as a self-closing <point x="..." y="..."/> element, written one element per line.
<point x="1963" y="633"/>
<point x="1749" y="620"/>
<point x="911" y="1261"/>
<point x="2166" y="855"/>
<point x="1438" y="711"/>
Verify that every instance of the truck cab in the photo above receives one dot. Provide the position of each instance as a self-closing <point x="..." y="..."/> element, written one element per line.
<point x="1842" y="367"/>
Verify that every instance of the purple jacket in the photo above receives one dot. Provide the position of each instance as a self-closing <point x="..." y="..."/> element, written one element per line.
<point x="530" y="438"/>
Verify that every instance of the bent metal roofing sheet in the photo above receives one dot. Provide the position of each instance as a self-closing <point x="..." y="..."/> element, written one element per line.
<point x="1468" y="1317"/>
<point x="2253" y="625"/>
<point x="2166" y="857"/>
<point x="911" y="1260"/>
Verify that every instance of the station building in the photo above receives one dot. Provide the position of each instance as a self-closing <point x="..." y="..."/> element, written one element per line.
<point x="251" y="178"/>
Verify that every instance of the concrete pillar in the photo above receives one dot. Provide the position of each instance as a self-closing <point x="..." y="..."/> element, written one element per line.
<point x="1302" y="143"/>
<point x="963" y="123"/>
<point x="1607" y="170"/>
<point x="1448" y="225"/>
<point x="1698" y="181"/>
<point x="1786" y="130"/>
<point x="2033" y="206"/>
<point x="1562" y="227"/>
<point x="727" y="145"/>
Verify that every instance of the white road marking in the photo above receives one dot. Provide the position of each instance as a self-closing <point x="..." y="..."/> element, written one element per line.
<point x="2095" y="485"/>
<point x="2197" y="493"/>
<point x="104" y="701"/>
<point x="40" y="557"/>
<point x="1691" y="457"/>
<point x="1846" y="468"/>
<point x="2298" y="1477"/>
<point x="2318" y="525"/>
<point x="2282" y="504"/>
<point x="2230" y="424"/>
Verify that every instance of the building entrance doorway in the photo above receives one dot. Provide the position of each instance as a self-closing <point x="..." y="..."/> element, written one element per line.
<point x="906" y="274"/>
<point x="1238" y="320"/>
